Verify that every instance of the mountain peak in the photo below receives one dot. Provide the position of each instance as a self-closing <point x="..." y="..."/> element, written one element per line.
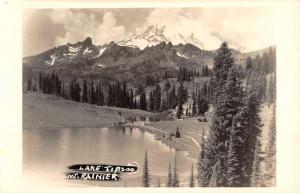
<point x="182" y="31"/>
<point x="88" y="41"/>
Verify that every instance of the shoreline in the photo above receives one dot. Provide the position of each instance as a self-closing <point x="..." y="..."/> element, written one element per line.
<point x="176" y="143"/>
<point x="43" y="111"/>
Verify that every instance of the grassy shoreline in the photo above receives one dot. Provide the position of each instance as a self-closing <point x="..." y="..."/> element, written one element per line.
<point x="189" y="140"/>
<point x="49" y="111"/>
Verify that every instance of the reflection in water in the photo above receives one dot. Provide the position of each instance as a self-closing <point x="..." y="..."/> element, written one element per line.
<point x="47" y="152"/>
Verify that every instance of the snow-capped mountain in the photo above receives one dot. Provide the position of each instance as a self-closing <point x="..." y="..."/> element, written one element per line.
<point x="124" y="60"/>
<point x="80" y="52"/>
<point x="184" y="31"/>
<point x="151" y="36"/>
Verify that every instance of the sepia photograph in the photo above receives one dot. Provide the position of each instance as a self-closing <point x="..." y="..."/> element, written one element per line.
<point x="149" y="97"/>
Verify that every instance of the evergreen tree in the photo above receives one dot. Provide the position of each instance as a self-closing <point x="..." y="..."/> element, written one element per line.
<point x="194" y="110"/>
<point x="71" y="89"/>
<point x="266" y="68"/>
<point x="58" y="87"/>
<point x="40" y="81"/>
<point x="182" y="94"/>
<point x="272" y="90"/>
<point x="151" y="102"/>
<point x="110" y="97"/>
<point x="63" y="91"/>
<point x="172" y="98"/>
<point x="157" y="98"/>
<point x="117" y="94"/>
<point x="255" y="175"/>
<point x="134" y="104"/>
<point x="177" y="133"/>
<point x="244" y="143"/>
<point x="163" y="105"/>
<point x="167" y="85"/>
<point x="179" y="110"/>
<point x="34" y="89"/>
<point x="222" y="63"/>
<point x="99" y="94"/>
<point x="214" y="178"/>
<point x="181" y="98"/>
<point x="131" y="102"/>
<point x="227" y="97"/>
<point x="76" y="91"/>
<point x="175" y="181"/>
<point x="29" y="84"/>
<point x="249" y="63"/>
<point x="192" y="184"/>
<point x="85" y="92"/>
<point x="143" y="102"/>
<point x="124" y="101"/>
<point x="92" y="94"/>
<point x="146" y="175"/>
<point x="170" y="179"/>
<point x="204" y="165"/>
<point x="230" y="102"/>
<point x="202" y="105"/>
<point x="257" y="63"/>
<point x="237" y="141"/>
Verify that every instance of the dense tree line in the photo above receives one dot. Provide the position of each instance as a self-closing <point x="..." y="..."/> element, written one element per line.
<point x="117" y="94"/>
<point x="120" y="96"/>
<point x="151" y="80"/>
<point x="50" y="83"/>
<point x="86" y="91"/>
<point x="263" y="69"/>
<point x="205" y="72"/>
<point x="31" y="85"/>
<point x="170" y="98"/>
<point x="155" y="99"/>
<point x="230" y="152"/>
<point x="184" y="74"/>
<point x="199" y="104"/>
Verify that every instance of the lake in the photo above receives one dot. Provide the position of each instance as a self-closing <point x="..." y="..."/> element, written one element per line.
<point x="48" y="152"/>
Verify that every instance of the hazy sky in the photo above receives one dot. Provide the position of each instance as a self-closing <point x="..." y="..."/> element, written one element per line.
<point x="46" y="28"/>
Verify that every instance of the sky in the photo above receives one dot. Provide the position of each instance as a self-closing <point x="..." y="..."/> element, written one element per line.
<point x="43" y="29"/>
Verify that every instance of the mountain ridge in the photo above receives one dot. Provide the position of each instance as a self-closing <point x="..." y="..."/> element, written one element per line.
<point x="115" y="61"/>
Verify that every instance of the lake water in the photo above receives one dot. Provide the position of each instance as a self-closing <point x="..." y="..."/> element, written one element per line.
<point x="48" y="152"/>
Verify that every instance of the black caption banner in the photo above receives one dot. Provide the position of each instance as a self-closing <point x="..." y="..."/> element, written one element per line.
<point x="101" y="172"/>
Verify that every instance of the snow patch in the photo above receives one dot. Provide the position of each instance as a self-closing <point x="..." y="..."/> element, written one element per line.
<point x="74" y="49"/>
<point x="180" y="55"/>
<point x="53" y="58"/>
<point x="101" y="50"/>
<point x="71" y="54"/>
<point x="87" y="51"/>
<point x="140" y="43"/>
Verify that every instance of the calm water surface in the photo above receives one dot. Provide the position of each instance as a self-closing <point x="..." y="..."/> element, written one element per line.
<point x="47" y="153"/>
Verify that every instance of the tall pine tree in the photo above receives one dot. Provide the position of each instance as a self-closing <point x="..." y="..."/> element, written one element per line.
<point x="85" y="92"/>
<point x="175" y="180"/>
<point x="227" y="97"/>
<point x="170" y="179"/>
<point x="191" y="183"/>
<point x="146" y="175"/>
